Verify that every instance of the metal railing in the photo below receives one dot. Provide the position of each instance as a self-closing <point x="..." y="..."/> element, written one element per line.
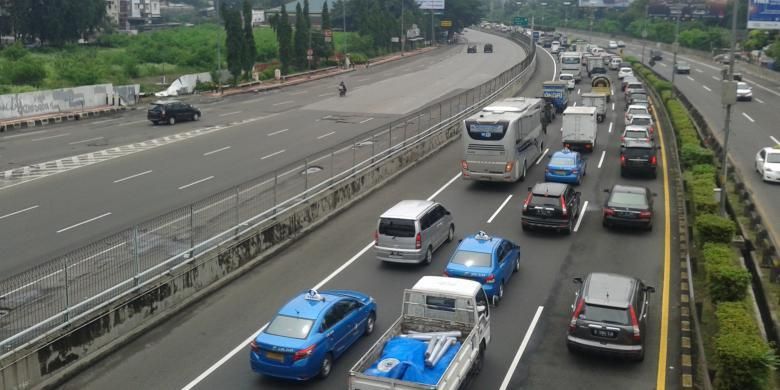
<point x="46" y="298"/>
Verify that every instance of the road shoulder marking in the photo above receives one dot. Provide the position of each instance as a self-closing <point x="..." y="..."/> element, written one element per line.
<point x="498" y="210"/>
<point x="582" y="214"/>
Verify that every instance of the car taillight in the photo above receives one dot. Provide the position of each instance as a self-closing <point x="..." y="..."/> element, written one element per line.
<point x="254" y="347"/>
<point x="634" y="324"/>
<point x="575" y="315"/>
<point x="622" y="138"/>
<point x="418" y="241"/>
<point x="376" y="236"/>
<point x="608" y="212"/>
<point x="304" y="353"/>
<point x="622" y="160"/>
<point x="653" y="160"/>
<point x="546" y="170"/>
<point x="445" y="273"/>
<point x="645" y="214"/>
<point x="527" y="201"/>
<point x="652" y="130"/>
<point x="575" y="171"/>
<point x="563" y="207"/>
<point x="567" y="146"/>
<point x="464" y="165"/>
<point x="490" y="279"/>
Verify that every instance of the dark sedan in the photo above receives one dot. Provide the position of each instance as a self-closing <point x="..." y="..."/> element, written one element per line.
<point x="629" y="206"/>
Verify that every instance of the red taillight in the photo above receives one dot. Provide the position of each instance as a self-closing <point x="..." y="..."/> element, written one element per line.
<point x="508" y="167"/>
<point x="653" y="160"/>
<point x="376" y="236"/>
<point x="445" y="273"/>
<point x="622" y="139"/>
<point x="418" y="241"/>
<point x="645" y="214"/>
<point x="567" y="146"/>
<point x="563" y="207"/>
<point x="652" y="130"/>
<point x="304" y="353"/>
<point x="575" y="315"/>
<point x="464" y="165"/>
<point x="490" y="279"/>
<point x="622" y="160"/>
<point x="588" y="146"/>
<point x="608" y="212"/>
<point x="527" y="201"/>
<point x="575" y="171"/>
<point x="635" y="324"/>
<point x="254" y="347"/>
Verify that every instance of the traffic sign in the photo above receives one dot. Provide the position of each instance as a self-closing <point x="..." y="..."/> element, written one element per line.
<point x="446" y="23"/>
<point x="520" y="21"/>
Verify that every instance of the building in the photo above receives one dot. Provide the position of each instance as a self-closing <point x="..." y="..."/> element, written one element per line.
<point x="112" y="11"/>
<point x="128" y="14"/>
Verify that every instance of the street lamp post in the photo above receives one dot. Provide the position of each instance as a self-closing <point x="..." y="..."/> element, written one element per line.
<point x="727" y="122"/>
<point x="403" y="35"/>
<point x="344" y="28"/>
<point x="644" y="31"/>
<point x="675" y="46"/>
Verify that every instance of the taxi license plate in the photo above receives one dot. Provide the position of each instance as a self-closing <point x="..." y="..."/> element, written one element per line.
<point x="603" y="333"/>
<point x="561" y="173"/>
<point x="275" y="356"/>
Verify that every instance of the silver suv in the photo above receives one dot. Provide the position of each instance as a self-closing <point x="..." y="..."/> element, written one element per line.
<point x="411" y="230"/>
<point x="609" y="315"/>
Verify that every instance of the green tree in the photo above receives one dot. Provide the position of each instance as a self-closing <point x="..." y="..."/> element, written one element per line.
<point x="25" y="71"/>
<point x="14" y="52"/>
<point x="284" y="36"/>
<point x="301" y="39"/>
<point x="250" y="49"/>
<point x="234" y="40"/>
<point x="326" y="47"/>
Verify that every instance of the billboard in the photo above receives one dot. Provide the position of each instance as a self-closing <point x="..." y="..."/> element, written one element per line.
<point x="431" y="4"/>
<point x="604" y="3"/>
<point x="764" y="14"/>
<point x="687" y="10"/>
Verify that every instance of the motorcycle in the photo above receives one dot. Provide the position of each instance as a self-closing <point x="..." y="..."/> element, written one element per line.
<point x="342" y="91"/>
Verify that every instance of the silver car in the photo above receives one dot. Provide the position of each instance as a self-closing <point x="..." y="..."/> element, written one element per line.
<point x="411" y="231"/>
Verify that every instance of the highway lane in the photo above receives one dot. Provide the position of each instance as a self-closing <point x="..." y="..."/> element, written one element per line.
<point x="69" y="209"/>
<point x="753" y="124"/>
<point x="193" y="348"/>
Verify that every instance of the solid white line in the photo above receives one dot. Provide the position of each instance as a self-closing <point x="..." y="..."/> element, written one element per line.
<point x="762" y="87"/>
<point x="499" y="208"/>
<point x="132" y="123"/>
<point x="24" y="134"/>
<point x="613" y="106"/>
<point x="715" y="78"/>
<point x="601" y="160"/>
<point x="366" y="120"/>
<point x="690" y="78"/>
<point x="231" y="113"/>
<point x="582" y="214"/>
<point x="748" y="117"/>
<point x="50" y="137"/>
<point x="242" y="346"/>
<point x="103" y="121"/>
<point x="610" y="128"/>
<point x="132" y="176"/>
<point x="84" y="140"/>
<point x="196" y="182"/>
<point x="298" y="93"/>
<point x="325" y="94"/>
<point x="252" y="100"/>
<point x="578" y="90"/>
<point x="759" y="100"/>
<point x="277" y="132"/>
<point x="273" y="154"/>
<point x="18" y="212"/>
<point x="662" y="64"/>
<point x="284" y="102"/>
<point x="774" y="139"/>
<point x="216" y="151"/>
<point x="542" y="156"/>
<point x="707" y="88"/>
<point x="83" y="222"/>
<point x="325" y="135"/>
<point x="523" y="345"/>
<point x="699" y="70"/>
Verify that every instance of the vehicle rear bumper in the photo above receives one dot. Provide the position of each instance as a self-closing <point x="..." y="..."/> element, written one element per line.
<point x="545" y="223"/>
<point x="634" y="351"/>
<point x="295" y="372"/>
<point x="392" y="255"/>
<point x="484" y="176"/>
<point x="612" y="220"/>
<point x="586" y="146"/>
<point x="572" y="178"/>
<point x="649" y="169"/>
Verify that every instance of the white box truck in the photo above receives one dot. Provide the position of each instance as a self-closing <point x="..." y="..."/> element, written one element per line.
<point x="580" y="128"/>
<point x="571" y="62"/>
<point x="598" y="100"/>
<point x="434" y="304"/>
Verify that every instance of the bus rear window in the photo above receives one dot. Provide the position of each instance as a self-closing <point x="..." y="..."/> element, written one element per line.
<point x="486" y="131"/>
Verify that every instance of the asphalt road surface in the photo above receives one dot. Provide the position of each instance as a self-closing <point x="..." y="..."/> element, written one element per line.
<point x="754" y="124"/>
<point x="256" y="134"/>
<point x="205" y="346"/>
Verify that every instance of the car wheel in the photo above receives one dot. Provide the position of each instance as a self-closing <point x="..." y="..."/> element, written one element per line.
<point x="196" y="116"/>
<point x="571" y="348"/>
<point x="517" y="264"/>
<point x="451" y="233"/>
<point x="155" y="123"/>
<point x="604" y="223"/>
<point x="622" y="173"/>
<point x="477" y="367"/>
<point x="370" y="322"/>
<point x="654" y="174"/>
<point x="649" y="227"/>
<point x="326" y="366"/>
<point x="569" y="228"/>
<point x="428" y="256"/>
<point x="171" y="121"/>
<point x="641" y="355"/>
<point x="525" y="172"/>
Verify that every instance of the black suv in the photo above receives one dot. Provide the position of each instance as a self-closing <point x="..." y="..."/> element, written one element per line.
<point x="170" y="111"/>
<point x="655" y="55"/>
<point x="488" y="48"/>
<point x="552" y="206"/>
<point x="630" y="206"/>
<point x="609" y="315"/>
<point x="471" y="49"/>
<point x="638" y="156"/>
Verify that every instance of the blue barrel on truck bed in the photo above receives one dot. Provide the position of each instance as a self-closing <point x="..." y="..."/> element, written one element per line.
<point x="558" y="93"/>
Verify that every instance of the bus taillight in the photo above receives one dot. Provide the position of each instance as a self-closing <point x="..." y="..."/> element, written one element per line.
<point x="509" y="166"/>
<point x="464" y="165"/>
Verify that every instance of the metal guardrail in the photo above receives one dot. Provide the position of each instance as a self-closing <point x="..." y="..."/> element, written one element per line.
<point x="48" y="297"/>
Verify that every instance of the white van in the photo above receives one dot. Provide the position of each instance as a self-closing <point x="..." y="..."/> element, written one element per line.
<point x="555" y="47"/>
<point x="614" y="63"/>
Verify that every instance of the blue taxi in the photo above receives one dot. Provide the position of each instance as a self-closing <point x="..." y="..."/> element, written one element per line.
<point x="488" y="260"/>
<point x="565" y="166"/>
<point x="310" y="331"/>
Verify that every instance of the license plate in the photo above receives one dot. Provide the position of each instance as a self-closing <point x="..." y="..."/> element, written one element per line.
<point x="275" y="356"/>
<point x="561" y="173"/>
<point x="544" y="212"/>
<point x="626" y="214"/>
<point x="603" y="333"/>
<point x="395" y="254"/>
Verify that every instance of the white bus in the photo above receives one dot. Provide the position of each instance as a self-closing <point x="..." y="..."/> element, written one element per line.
<point x="571" y="62"/>
<point x="503" y="140"/>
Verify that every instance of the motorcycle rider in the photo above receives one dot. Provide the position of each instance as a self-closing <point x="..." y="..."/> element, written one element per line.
<point x="342" y="89"/>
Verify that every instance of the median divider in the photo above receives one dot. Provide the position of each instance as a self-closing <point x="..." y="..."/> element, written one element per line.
<point x="47" y="352"/>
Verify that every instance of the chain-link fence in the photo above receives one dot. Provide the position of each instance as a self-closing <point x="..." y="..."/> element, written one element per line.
<point x="54" y="293"/>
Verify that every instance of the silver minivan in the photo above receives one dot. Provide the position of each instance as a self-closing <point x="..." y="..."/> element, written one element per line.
<point x="411" y="230"/>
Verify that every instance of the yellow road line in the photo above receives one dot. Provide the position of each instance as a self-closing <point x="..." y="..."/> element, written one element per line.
<point x="665" y="286"/>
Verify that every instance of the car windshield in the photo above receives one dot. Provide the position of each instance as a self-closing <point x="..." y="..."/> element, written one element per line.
<point x="773" y="158"/>
<point x="641" y="121"/>
<point x="627" y="199"/>
<point x="396" y="227"/>
<point x="293" y="327"/>
<point x="566" y="77"/>
<point x="636" y="134"/>
<point x="636" y="111"/>
<point x="570" y="60"/>
<point x="639" y="97"/>
<point x="682" y="65"/>
<point x="562" y="161"/>
<point x="471" y="259"/>
<point x="742" y="85"/>
<point x="612" y="315"/>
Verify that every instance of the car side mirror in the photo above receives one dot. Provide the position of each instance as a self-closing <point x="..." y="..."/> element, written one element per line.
<point x="530" y="188"/>
<point x="650" y="289"/>
<point x="481" y="309"/>
<point x="577" y="280"/>
<point x="606" y="190"/>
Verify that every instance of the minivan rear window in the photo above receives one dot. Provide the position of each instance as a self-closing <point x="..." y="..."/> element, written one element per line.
<point x="606" y="314"/>
<point x="396" y="227"/>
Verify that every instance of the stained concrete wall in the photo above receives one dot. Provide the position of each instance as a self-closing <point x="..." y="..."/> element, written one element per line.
<point x="28" y="104"/>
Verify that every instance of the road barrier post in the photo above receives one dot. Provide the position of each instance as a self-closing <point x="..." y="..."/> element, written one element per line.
<point x="332" y="158"/>
<point x="276" y="181"/>
<point x="305" y="177"/>
<point x="192" y="230"/>
<point x="237" y="204"/>
<point x="67" y="288"/>
<point x="137" y="256"/>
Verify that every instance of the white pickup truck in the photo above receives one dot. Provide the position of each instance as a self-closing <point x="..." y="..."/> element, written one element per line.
<point x="434" y="304"/>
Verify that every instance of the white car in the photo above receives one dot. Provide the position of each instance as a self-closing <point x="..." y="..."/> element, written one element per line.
<point x="613" y="45"/>
<point x="744" y="91"/>
<point x="768" y="163"/>
<point x="568" y="78"/>
<point x="623" y="72"/>
<point x="635" y="109"/>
